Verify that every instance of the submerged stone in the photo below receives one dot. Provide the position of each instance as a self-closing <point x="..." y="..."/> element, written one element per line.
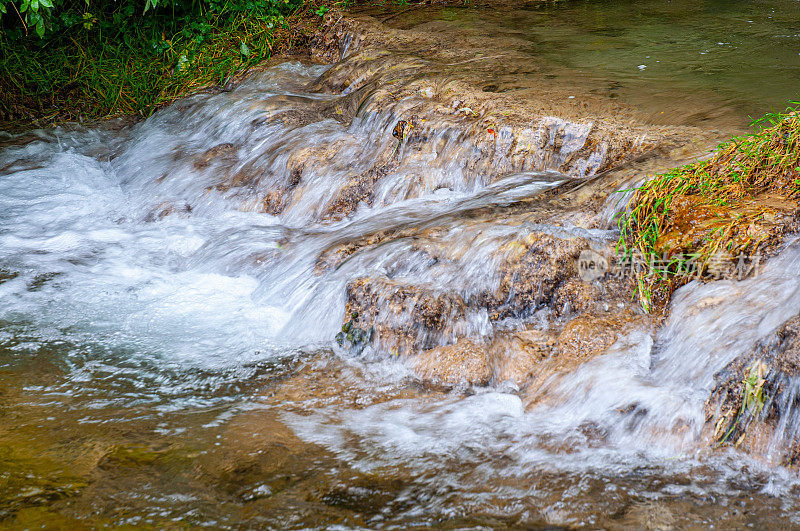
<point x="353" y="338"/>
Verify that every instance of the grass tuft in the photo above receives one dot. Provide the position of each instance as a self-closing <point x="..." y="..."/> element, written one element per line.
<point x="697" y="219"/>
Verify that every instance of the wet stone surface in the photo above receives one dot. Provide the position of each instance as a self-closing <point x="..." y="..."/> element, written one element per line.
<point x="754" y="401"/>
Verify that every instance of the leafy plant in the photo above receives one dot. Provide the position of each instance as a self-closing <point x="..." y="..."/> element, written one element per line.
<point x="31" y="13"/>
<point x="115" y="59"/>
<point x="753" y="398"/>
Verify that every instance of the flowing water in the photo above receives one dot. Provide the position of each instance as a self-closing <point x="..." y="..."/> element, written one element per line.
<point x="737" y="58"/>
<point x="170" y="292"/>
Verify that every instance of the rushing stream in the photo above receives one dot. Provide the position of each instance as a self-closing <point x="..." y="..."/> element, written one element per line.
<point x="170" y="292"/>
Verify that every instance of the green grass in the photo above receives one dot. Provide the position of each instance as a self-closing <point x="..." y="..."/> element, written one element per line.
<point x="107" y="58"/>
<point x="753" y="400"/>
<point x="119" y="66"/>
<point x="734" y="204"/>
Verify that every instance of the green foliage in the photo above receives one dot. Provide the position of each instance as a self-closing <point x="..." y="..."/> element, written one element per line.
<point x="727" y="205"/>
<point x="40" y="16"/>
<point x="753" y="398"/>
<point x="32" y="14"/>
<point x="109" y="57"/>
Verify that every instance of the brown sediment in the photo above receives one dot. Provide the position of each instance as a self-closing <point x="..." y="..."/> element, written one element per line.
<point x="693" y="221"/>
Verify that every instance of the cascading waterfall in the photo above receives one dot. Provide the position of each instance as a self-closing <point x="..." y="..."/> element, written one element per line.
<point x="181" y="259"/>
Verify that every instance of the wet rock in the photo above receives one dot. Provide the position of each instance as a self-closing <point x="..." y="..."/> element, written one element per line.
<point x="516" y="356"/>
<point x="446" y="148"/>
<point x="258" y="457"/>
<point x="510" y="357"/>
<point x="221" y="152"/>
<point x="165" y="209"/>
<point x="330" y="380"/>
<point x="754" y="404"/>
<point x="369" y="495"/>
<point x="524" y="357"/>
<point x="27" y="482"/>
<point x="352" y="337"/>
<point x="461" y="135"/>
<point x="693" y="221"/>
<point x="519" y="276"/>
<point x="140" y="456"/>
<point x="465" y="361"/>
<point x="580" y="341"/>
<point x="357" y="190"/>
<point x="6" y="275"/>
<point x="404" y="317"/>
<point x="452" y="330"/>
<point x="294" y="112"/>
<point x="652" y="516"/>
<point x="539" y="270"/>
<point x="588" y="335"/>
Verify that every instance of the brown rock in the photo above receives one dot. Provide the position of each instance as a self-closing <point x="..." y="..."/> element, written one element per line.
<point x="404" y="317"/>
<point x="580" y="341"/>
<point x="517" y="356"/>
<point x="465" y="361"/>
